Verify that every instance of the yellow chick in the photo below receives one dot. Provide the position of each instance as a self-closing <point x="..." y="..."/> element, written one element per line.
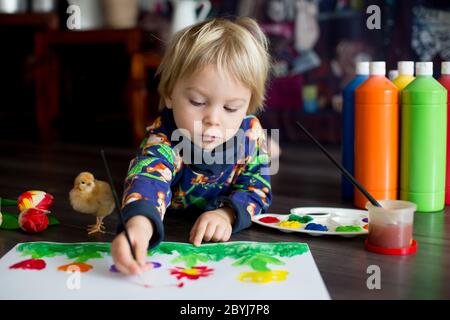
<point x="92" y="196"/>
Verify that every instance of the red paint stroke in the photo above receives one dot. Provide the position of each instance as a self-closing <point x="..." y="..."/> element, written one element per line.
<point x="269" y="220"/>
<point x="366" y="226"/>
<point x="192" y="274"/>
<point x="30" y="264"/>
<point x="76" y="266"/>
<point x="178" y="285"/>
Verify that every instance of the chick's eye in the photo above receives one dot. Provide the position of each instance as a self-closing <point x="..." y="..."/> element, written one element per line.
<point x="82" y="182"/>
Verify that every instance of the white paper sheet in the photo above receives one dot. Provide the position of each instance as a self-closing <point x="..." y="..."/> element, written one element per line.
<point x="196" y="275"/>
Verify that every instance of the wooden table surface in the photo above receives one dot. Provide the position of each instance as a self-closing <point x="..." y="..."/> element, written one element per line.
<point x="305" y="178"/>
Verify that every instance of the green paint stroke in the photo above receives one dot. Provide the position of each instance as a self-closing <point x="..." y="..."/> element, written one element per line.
<point x="257" y="262"/>
<point x="349" y="229"/>
<point x="254" y="254"/>
<point x="81" y="252"/>
<point x="190" y="260"/>
<point x="257" y="255"/>
<point x="301" y="219"/>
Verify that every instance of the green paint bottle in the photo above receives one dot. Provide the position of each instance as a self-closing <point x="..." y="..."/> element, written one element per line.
<point x="423" y="141"/>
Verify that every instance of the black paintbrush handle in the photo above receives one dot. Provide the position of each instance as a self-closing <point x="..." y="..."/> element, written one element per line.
<point x="340" y="167"/>
<point x="116" y="200"/>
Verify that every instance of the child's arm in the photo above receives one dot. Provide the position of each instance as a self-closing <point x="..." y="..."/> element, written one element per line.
<point x="251" y="192"/>
<point x="140" y="230"/>
<point x="147" y="185"/>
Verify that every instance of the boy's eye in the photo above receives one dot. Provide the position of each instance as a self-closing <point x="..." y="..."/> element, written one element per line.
<point x="196" y="103"/>
<point x="230" y="109"/>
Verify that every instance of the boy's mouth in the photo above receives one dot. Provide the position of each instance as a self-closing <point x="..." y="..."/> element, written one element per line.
<point x="209" y="138"/>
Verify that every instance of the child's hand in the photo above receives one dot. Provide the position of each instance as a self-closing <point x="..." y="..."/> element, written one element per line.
<point x="140" y="230"/>
<point x="213" y="225"/>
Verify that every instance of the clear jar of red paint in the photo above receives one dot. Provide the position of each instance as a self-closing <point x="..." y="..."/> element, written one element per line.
<point x="391" y="227"/>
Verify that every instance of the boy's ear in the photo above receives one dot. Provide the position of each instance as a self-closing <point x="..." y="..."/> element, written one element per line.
<point x="168" y="102"/>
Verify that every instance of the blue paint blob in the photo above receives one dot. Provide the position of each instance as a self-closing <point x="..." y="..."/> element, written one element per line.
<point x="316" y="227"/>
<point x="366" y="220"/>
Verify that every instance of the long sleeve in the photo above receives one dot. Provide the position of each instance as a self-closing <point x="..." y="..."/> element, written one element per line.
<point x="251" y="192"/>
<point x="147" y="189"/>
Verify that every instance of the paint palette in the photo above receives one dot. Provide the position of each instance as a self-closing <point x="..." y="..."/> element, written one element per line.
<point x="318" y="221"/>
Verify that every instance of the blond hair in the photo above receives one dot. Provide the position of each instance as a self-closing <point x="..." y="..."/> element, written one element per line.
<point x="238" y="47"/>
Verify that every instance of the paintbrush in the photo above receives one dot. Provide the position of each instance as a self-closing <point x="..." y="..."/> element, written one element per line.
<point x="344" y="171"/>
<point x="117" y="202"/>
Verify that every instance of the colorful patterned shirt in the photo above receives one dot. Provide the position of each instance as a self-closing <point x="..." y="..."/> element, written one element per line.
<point x="164" y="177"/>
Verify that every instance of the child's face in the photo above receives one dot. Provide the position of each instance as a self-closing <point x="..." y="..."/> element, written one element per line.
<point x="210" y="106"/>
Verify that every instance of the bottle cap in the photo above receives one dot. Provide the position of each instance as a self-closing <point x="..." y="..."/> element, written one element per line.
<point x="406" y="68"/>
<point x="392" y="74"/>
<point x="445" y="67"/>
<point x="378" y="68"/>
<point x="424" y="68"/>
<point x="362" y="68"/>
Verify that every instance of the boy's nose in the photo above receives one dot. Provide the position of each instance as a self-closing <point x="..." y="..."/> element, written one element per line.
<point x="212" y="117"/>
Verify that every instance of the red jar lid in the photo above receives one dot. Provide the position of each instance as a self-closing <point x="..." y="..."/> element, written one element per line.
<point x="392" y="251"/>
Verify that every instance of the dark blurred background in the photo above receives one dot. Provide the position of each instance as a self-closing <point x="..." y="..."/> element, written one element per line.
<point x="87" y="77"/>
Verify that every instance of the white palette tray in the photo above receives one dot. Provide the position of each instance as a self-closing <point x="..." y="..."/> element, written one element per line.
<point x="331" y="218"/>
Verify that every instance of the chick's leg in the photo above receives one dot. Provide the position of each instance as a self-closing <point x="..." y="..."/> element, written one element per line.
<point x="98" y="227"/>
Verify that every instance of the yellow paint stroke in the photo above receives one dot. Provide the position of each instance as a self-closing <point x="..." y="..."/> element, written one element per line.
<point x="191" y="272"/>
<point x="290" y="224"/>
<point x="76" y="266"/>
<point x="263" y="276"/>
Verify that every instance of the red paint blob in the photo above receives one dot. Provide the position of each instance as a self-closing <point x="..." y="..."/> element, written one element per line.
<point x="269" y="220"/>
<point x="30" y="264"/>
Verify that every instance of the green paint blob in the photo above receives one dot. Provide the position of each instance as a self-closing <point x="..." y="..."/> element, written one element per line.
<point x="301" y="219"/>
<point x="190" y="260"/>
<point x="81" y="252"/>
<point x="218" y="251"/>
<point x="349" y="229"/>
<point x="258" y="262"/>
<point x="256" y="255"/>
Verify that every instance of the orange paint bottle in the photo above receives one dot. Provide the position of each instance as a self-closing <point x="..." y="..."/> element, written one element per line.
<point x="376" y="136"/>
